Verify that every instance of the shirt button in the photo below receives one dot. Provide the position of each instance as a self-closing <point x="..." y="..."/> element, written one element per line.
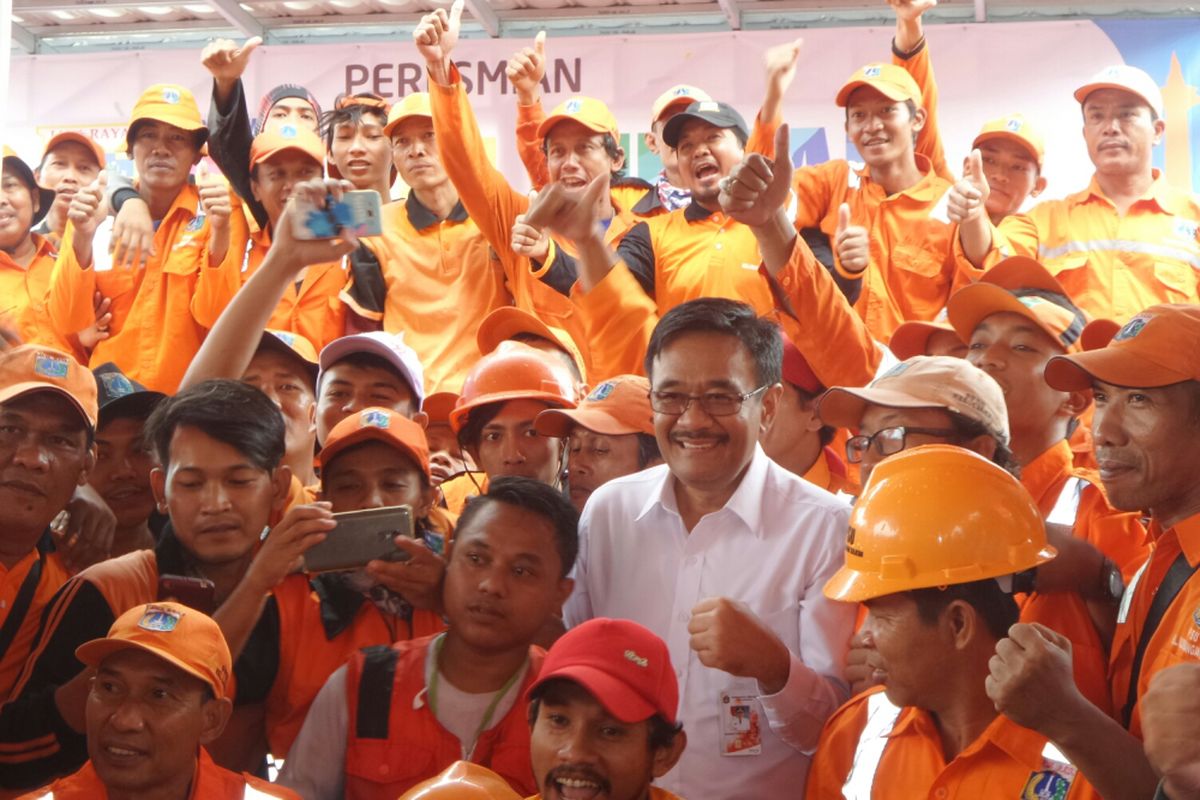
<point x="941" y="792"/>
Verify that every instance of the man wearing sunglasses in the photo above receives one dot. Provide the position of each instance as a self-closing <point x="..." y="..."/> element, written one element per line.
<point x="722" y="553"/>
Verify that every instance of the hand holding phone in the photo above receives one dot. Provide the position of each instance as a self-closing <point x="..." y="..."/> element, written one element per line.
<point x="361" y="537"/>
<point x="360" y="212"/>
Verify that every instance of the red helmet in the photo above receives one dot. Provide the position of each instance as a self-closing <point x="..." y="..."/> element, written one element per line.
<point x="513" y="371"/>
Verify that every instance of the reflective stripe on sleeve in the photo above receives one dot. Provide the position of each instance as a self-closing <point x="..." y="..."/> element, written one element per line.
<point x="881" y="718"/>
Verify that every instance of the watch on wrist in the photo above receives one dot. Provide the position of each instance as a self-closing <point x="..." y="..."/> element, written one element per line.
<point x="1112" y="584"/>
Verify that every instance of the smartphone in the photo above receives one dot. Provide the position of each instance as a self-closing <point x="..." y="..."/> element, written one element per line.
<point x="362" y="536"/>
<point x="197" y="593"/>
<point x="357" y="211"/>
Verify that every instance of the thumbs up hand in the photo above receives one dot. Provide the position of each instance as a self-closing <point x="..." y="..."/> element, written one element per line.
<point x="88" y="208"/>
<point x="226" y="60"/>
<point x="436" y="36"/>
<point x="758" y="188"/>
<point x="214" y="198"/>
<point x="525" y="71"/>
<point x="852" y="242"/>
<point x="967" y="200"/>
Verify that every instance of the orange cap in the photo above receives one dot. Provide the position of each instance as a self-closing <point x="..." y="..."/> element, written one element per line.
<point x="514" y="371"/>
<point x="33" y="368"/>
<point x="617" y="407"/>
<point x="295" y="345"/>
<point x="589" y="112"/>
<point x="463" y="780"/>
<point x="891" y="81"/>
<point x="380" y="425"/>
<point x="506" y="322"/>
<point x="79" y="138"/>
<point x="912" y="337"/>
<point x="923" y="382"/>
<point x="1158" y="347"/>
<point x="1015" y="128"/>
<point x="413" y="105"/>
<point x="1098" y="333"/>
<point x="681" y="95"/>
<point x="283" y="138"/>
<point x="169" y="103"/>
<point x="998" y="291"/>
<point x="937" y="515"/>
<point x="181" y="636"/>
<point x="438" y="407"/>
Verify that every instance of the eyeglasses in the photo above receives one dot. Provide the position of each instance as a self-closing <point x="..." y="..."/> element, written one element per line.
<point x="715" y="404"/>
<point x="888" y="441"/>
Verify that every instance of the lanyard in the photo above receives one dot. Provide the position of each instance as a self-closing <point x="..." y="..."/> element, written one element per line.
<point x="491" y="709"/>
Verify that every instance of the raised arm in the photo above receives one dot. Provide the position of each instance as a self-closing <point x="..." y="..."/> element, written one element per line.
<point x="525" y="71"/>
<point x="910" y="50"/>
<point x="229" y="134"/>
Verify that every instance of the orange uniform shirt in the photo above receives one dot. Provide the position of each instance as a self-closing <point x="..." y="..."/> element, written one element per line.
<point x="912" y="270"/>
<point x="211" y="782"/>
<point x="1177" y="638"/>
<point x="53" y="575"/>
<point x="311" y="309"/>
<point x="919" y="65"/>
<point x="24" y="292"/>
<point x="897" y="753"/>
<point x="440" y="283"/>
<point x="655" y="794"/>
<point x="461" y="488"/>
<point x="830" y="473"/>
<point x="162" y="311"/>
<point x="494" y="205"/>
<point x="1111" y="265"/>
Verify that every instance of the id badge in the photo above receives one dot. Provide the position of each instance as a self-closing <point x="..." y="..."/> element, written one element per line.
<point x="741" y="725"/>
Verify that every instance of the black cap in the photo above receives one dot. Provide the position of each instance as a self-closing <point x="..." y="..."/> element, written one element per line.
<point x="120" y="395"/>
<point x="45" y="197"/>
<point x="722" y="115"/>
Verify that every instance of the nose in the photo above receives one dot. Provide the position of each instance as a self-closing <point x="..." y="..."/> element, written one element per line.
<point x="575" y="747"/>
<point x="694" y="416"/>
<point x="358" y="144"/>
<point x="214" y="497"/>
<point x="353" y="403"/>
<point x="494" y="581"/>
<point x="124" y="468"/>
<point x="988" y="358"/>
<point x="30" y="453"/>
<point x="511" y="450"/>
<point x="1107" y="427"/>
<point x="127" y="716"/>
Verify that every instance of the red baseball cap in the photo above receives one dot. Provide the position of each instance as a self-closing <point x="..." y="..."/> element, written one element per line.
<point x="796" y="369"/>
<point x="625" y="666"/>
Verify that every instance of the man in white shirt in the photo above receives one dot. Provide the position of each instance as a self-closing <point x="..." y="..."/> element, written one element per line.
<point x="723" y="553"/>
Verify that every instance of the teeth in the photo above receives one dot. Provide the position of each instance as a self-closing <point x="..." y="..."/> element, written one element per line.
<point x="121" y="751"/>
<point x="576" y="783"/>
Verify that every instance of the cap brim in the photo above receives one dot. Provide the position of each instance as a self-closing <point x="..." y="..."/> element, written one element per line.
<point x="974" y="303"/>
<point x="850" y="586"/>
<point x="549" y="122"/>
<point x="674" y="126"/>
<point x="505" y="323"/>
<point x="134" y="404"/>
<point x="13" y="391"/>
<point x="45" y="196"/>
<point x="1083" y="91"/>
<point x="270" y="342"/>
<point x="1010" y="137"/>
<point x="94" y="652"/>
<point x="559" y="422"/>
<point x="78" y="138"/>
<point x="287" y="148"/>
<point x="338" y="349"/>
<point x="367" y="433"/>
<point x="844" y="408"/>
<point x="912" y="338"/>
<point x="614" y="694"/>
<point x="1112" y="365"/>
<point x="390" y="128"/>
<point x="885" y="88"/>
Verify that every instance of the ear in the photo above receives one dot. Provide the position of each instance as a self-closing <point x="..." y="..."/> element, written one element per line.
<point x="919" y="119"/>
<point x="665" y="758"/>
<point x="1075" y="403"/>
<point x="216" y="715"/>
<point x="312" y="418"/>
<point x="1160" y="127"/>
<point x="814" y="423"/>
<point x="770" y="407"/>
<point x="89" y="463"/>
<point x="619" y="161"/>
<point x="651" y="143"/>
<point x="421" y="418"/>
<point x="158" y="485"/>
<point x="565" y="587"/>
<point x="961" y="623"/>
<point x="429" y="496"/>
<point x="1039" y="186"/>
<point x="281" y="483"/>
<point x="984" y="445"/>
<point x="254" y="189"/>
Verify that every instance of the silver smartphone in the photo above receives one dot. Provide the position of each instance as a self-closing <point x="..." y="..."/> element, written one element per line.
<point x="362" y="536"/>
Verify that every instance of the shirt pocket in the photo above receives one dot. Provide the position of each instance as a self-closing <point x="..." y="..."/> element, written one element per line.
<point x="919" y="281"/>
<point x="1177" y="281"/>
<point x="390" y="762"/>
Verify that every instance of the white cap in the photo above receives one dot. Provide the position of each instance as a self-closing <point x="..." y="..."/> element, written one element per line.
<point x="388" y="346"/>
<point x="1126" y="79"/>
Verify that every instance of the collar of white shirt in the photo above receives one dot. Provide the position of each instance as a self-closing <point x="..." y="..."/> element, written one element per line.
<point x="746" y="502"/>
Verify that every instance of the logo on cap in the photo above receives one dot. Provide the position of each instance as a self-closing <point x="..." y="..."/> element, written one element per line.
<point x="1013" y="125"/>
<point x="709" y="105"/>
<point x="636" y="659"/>
<point x="372" y="418"/>
<point x="683" y="91"/>
<point x="288" y="131"/>
<point x="49" y="366"/>
<point x="1132" y="328"/>
<point x="116" y="384"/>
<point x="573" y="106"/>
<point x="602" y="391"/>
<point x="171" y="95"/>
<point x="287" y="337"/>
<point x="898" y="369"/>
<point x="872" y="72"/>
<point x="160" y="619"/>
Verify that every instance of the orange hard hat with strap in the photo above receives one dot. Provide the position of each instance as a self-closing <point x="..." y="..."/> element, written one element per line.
<point x="513" y="371"/>
<point x="934" y="516"/>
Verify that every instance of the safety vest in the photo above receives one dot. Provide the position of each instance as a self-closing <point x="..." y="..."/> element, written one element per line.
<point x="394" y="741"/>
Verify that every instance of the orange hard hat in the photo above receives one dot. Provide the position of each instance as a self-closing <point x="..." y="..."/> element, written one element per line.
<point x="937" y="515"/>
<point x="513" y="371"/>
<point x="463" y="780"/>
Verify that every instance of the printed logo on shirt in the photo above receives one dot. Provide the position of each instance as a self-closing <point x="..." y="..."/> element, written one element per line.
<point x="373" y="418"/>
<point x="872" y="71"/>
<point x="641" y="661"/>
<point x="1013" y="125"/>
<point x="1196" y="617"/>
<point x="160" y="619"/>
<point x="1046" y="785"/>
<point x="602" y="391"/>
<point x="50" y="366"/>
<point x="171" y="95"/>
<point x="1186" y="228"/>
<point x="116" y="385"/>
<point x="196" y="224"/>
<point x="1132" y="328"/>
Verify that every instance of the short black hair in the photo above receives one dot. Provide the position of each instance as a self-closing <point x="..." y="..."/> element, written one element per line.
<point x="229" y="411"/>
<point x="199" y="137"/>
<point x="996" y="606"/>
<point x="662" y="733"/>
<point x="535" y="496"/>
<point x="351" y="114"/>
<point x="760" y="336"/>
<point x="477" y="418"/>
<point x="648" y="449"/>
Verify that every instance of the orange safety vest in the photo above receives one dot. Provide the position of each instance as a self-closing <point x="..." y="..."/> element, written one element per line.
<point x="394" y="739"/>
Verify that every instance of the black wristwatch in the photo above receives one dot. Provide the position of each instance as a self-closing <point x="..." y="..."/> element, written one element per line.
<point x="1112" y="584"/>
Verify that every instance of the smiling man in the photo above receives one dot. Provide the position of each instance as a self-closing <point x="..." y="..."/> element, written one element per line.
<point x="719" y="552"/>
<point x="603" y="715"/>
<point x="70" y="161"/>
<point x="1125" y="242"/>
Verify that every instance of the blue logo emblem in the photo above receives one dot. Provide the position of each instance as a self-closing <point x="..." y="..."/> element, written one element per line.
<point x="1132" y="328"/>
<point x="160" y="619"/>
<point x="1013" y="125"/>
<point x="573" y="106"/>
<point x="287" y="337"/>
<point x="49" y="366"/>
<point x="288" y="131"/>
<point x="602" y="391"/>
<point x="1046" y="785"/>
<point x="683" y="91"/>
<point x="374" y="418"/>
<point x="171" y="95"/>
<point x="872" y="71"/>
<point x="116" y="385"/>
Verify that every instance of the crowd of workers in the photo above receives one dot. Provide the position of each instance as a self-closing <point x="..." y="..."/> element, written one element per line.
<point x="853" y="480"/>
